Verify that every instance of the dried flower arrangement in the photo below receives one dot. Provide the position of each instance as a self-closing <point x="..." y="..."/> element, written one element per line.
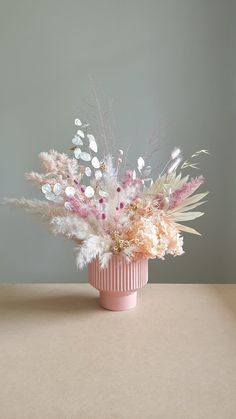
<point x="108" y="209"/>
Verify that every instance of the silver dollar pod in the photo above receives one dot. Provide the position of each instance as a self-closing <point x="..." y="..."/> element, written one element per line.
<point x="57" y="188"/>
<point x="147" y="170"/>
<point x="77" y="152"/>
<point x="77" y="141"/>
<point x="104" y="194"/>
<point x="67" y="205"/>
<point x="88" y="171"/>
<point x="80" y="133"/>
<point x="78" y="122"/>
<point x="98" y="174"/>
<point x="85" y="156"/>
<point x="50" y="196"/>
<point x="92" y="143"/>
<point x="46" y="188"/>
<point x="95" y="163"/>
<point x="89" y="192"/>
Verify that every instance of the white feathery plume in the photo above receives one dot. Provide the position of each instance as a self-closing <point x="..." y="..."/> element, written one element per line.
<point x="36" y="206"/>
<point x="175" y="153"/>
<point x="110" y="174"/>
<point x="104" y="259"/>
<point x="141" y="164"/>
<point x="91" y="248"/>
<point x="174" y="165"/>
<point x="71" y="227"/>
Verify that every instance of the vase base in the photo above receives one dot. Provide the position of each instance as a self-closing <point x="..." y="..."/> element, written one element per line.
<point x="118" y="301"/>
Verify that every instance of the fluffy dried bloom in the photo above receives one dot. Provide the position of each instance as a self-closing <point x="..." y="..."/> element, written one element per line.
<point x="152" y="234"/>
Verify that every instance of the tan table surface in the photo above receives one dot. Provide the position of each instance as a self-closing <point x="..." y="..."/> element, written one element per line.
<point x="63" y="357"/>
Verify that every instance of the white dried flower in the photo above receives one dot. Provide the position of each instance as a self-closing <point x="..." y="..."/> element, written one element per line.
<point x="175" y="153"/>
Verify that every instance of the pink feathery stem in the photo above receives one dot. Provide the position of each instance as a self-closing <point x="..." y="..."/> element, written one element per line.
<point x="186" y="190"/>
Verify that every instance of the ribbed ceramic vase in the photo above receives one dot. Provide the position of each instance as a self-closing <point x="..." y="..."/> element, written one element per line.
<point x="118" y="282"/>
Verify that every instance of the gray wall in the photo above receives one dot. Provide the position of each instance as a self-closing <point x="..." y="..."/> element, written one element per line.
<point x="167" y="65"/>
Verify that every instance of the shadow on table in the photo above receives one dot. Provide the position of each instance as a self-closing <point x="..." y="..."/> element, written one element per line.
<point x="227" y="294"/>
<point x="79" y="304"/>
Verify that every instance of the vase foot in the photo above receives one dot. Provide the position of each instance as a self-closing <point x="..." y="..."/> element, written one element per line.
<point x="118" y="301"/>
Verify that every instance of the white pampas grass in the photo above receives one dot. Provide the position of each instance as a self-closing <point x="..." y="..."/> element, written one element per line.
<point x="175" y="153"/>
<point x="104" y="259"/>
<point x="71" y="227"/>
<point x="174" y="165"/>
<point x="141" y="164"/>
<point x="35" y="206"/>
<point x="91" y="248"/>
<point x="110" y="174"/>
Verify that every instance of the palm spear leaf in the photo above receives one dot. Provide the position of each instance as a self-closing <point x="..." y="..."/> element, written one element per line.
<point x="187" y="229"/>
<point x="190" y="207"/>
<point x="167" y="181"/>
<point x="189" y="201"/>
<point x="185" y="216"/>
<point x="185" y="209"/>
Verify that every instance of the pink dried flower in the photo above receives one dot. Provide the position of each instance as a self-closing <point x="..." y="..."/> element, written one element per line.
<point x="37" y="178"/>
<point x="129" y="179"/>
<point x="58" y="163"/>
<point x="186" y="190"/>
<point x="83" y="209"/>
<point x="48" y="161"/>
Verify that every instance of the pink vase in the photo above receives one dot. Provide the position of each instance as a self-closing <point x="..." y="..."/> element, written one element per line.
<point x="118" y="282"/>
